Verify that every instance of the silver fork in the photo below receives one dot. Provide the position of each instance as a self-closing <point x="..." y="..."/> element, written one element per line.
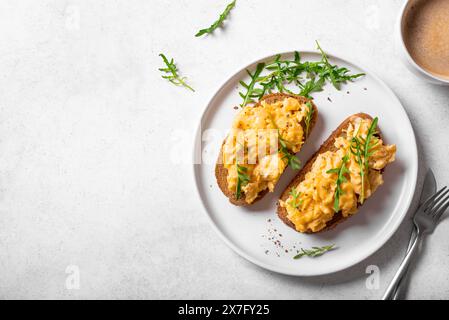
<point x="425" y="220"/>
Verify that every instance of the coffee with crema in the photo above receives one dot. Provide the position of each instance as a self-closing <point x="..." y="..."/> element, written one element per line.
<point x="426" y="35"/>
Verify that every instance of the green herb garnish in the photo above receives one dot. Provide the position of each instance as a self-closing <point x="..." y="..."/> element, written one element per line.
<point x="314" y="252"/>
<point x="295" y="201"/>
<point x="308" y="117"/>
<point x="217" y="23"/>
<point x="171" y="73"/>
<point x="341" y="171"/>
<point x="242" y="180"/>
<point x="282" y="72"/>
<point x="250" y="91"/>
<point x="368" y="145"/>
<point x="292" y="160"/>
<point x="362" y="150"/>
<point x="307" y="76"/>
<point x="313" y="85"/>
<point x="356" y="150"/>
<point x="333" y="73"/>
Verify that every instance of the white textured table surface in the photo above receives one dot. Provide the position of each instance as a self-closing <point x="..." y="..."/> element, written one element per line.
<point x="86" y="125"/>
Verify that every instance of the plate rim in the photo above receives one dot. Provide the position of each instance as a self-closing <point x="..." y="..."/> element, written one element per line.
<point x="242" y="253"/>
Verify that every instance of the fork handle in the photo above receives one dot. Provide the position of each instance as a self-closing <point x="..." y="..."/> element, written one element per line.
<point x="401" y="287"/>
<point x="389" y="293"/>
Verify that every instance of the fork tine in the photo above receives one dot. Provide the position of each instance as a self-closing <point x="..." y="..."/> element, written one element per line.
<point x="434" y="205"/>
<point x="437" y="202"/>
<point x="429" y="201"/>
<point x="441" y="208"/>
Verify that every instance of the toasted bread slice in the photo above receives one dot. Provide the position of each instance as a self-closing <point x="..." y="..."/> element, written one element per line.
<point x="221" y="172"/>
<point x="328" y="145"/>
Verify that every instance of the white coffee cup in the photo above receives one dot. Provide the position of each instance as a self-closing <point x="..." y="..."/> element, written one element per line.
<point x="404" y="53"/>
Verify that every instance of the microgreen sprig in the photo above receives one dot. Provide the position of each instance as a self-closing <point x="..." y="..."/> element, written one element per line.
<point x="313" y="85"/>
<point x="242" y="179"/>
<point x="307" y="76"/>
<point x="282" y="72"/>
<point x="314" y="252"/>
<point x="368" y="145"/>
<point x="362" y="149"/>
<point x="171" y="73"/>
<point x="356" y="150"/>
<point x="296" y="202"/>
<point x="308" y="117"/>
<point x="341" y="171"/>
<point x="292" y="160"/>
<point x="251" y="92"/>
<point x="217" y="23"/>
<point x="335" y="74"/>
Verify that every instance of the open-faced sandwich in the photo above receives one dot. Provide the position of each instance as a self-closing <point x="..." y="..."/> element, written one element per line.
<point x="337" y="180"/>
<point x="262" y="142"/>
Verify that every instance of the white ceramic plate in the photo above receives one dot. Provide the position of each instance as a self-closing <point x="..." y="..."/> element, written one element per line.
<point x="256" y="232"/>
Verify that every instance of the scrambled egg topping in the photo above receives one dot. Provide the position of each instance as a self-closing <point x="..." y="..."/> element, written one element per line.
<point x="313" y="204"/>
<point x="253" y="143"/>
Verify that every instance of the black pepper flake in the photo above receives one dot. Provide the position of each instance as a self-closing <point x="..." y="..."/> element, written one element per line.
<point x="329" y="99"/>
<point x="235" y="108"/>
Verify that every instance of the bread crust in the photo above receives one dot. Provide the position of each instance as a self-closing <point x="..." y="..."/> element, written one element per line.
<point x="327" y="145"/>
<point x="221" y="172"/>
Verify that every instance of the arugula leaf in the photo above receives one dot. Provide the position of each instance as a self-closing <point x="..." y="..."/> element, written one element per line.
<point x="171" y="73"/>
<point x="295" y="195"/>
<point x="312" y="85"/>
<point x="356" y="150"/>
<point x="362" y="150"/>
<point x="307" y="76"/>
<point x="333" y="73"/>
<point x="341" y="171"/>
<point x="250" y="91"/>
<point x="242" y="180"/>
<point x="368" y="144"/>
<point x="217" y="23"/>
<point x="292" y="160"/>
<point x="308" y="117"/>
<point x="314" y="252"/>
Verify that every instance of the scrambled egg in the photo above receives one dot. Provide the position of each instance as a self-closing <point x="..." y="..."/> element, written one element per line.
<point x="253" y="143"/>
<point x="314" y="206"/>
